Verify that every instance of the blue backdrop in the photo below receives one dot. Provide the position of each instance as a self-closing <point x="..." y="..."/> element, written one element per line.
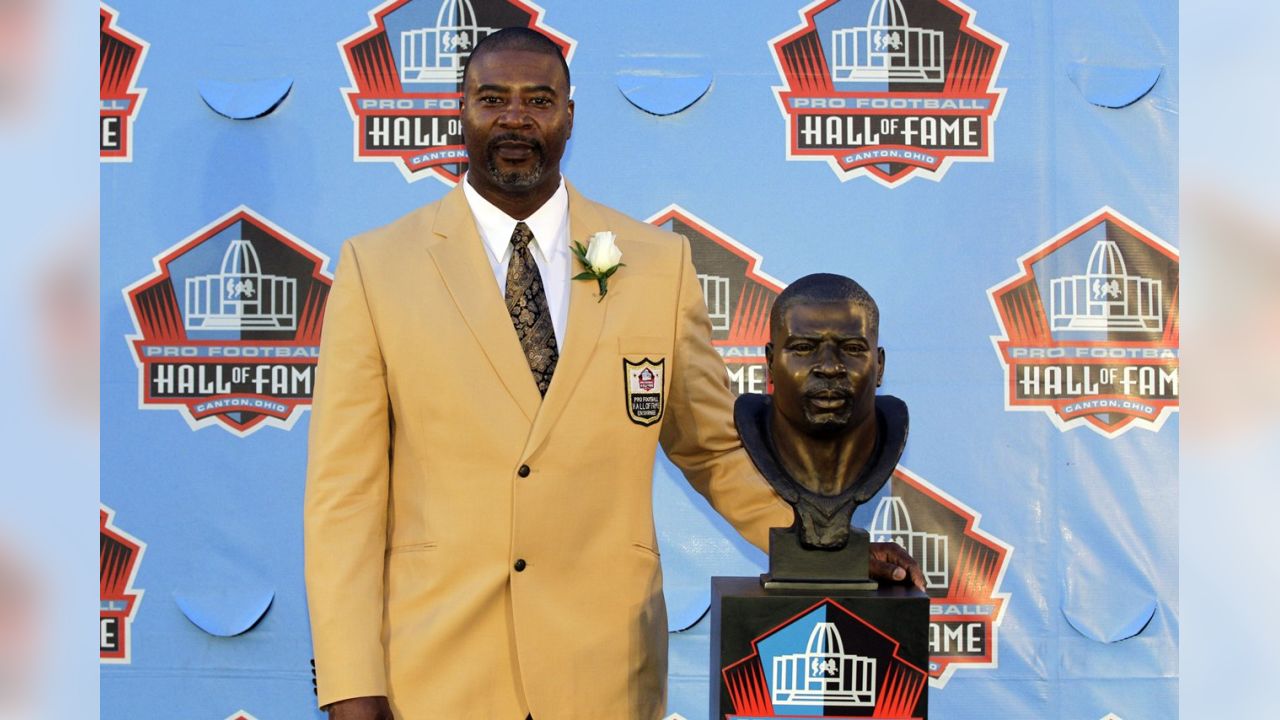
<point x="1025" y="266"/>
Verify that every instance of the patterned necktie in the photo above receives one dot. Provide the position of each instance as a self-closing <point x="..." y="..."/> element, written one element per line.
<point x="527" y="303"/>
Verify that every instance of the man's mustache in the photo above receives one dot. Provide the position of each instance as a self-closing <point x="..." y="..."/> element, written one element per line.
<point x="534" y="143"/>
<point x="829" y="387"/>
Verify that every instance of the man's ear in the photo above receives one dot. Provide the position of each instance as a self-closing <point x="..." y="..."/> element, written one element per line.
<point x="880" y="371"/>
<point x="768" y="361"/>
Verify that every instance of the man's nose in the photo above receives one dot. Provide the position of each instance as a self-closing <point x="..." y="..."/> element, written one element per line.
<point x="513" y="116"/>
<point x="828" y="362"/>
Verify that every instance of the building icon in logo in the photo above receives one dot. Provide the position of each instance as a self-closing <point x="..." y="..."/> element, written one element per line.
<point x="892" y="523"/>
<point x="1106" y="297"/>
<point x="888" y="49"/>
<point x="715" y="291"/>
<point x="438" y="54"/>
<point x="240" y="296"/>
<point x="824" y="673"/>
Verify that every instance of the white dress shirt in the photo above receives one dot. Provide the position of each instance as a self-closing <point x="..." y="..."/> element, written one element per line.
<point x="550" y="247"/>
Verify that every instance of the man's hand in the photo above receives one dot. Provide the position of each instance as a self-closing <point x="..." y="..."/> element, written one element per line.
<point x="361" y="708"/>
<point x="892" y="565"/>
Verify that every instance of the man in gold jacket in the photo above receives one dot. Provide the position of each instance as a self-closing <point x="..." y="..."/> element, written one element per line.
<point x="476" y="548"/>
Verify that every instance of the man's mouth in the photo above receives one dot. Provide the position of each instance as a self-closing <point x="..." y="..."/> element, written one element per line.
<point x="828" y="399"/>
<point x="514" y="149"/>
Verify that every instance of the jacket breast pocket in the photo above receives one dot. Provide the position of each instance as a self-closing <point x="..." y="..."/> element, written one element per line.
<point x="641" y="347"/>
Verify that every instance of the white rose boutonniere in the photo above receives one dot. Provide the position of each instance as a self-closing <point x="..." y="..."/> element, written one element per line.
<point x="600" y="259"/>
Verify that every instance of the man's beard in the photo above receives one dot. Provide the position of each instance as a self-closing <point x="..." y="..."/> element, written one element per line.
<point x="515" y="180"/>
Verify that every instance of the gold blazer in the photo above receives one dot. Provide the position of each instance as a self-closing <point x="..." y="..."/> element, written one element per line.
<point x="435" y="470"/>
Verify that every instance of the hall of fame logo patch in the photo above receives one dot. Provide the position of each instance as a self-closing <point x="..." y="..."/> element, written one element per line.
<point x="120" y="60"/>
<point x="1090" y="327"/>
<point x="406" y="74"/>
<point x="738" y="294"/>
<point x="228" y="325"/>
<point x="119" y="557"/>
<point x="889" y="89"/>
<point x="963" y="566"/>
<point x="644" y="390"/>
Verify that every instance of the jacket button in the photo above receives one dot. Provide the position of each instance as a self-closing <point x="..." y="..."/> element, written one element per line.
<point x="524" y="471"/>
<point x="520" y="565"/>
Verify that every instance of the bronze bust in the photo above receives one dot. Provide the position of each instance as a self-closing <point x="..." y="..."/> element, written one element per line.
<point x="824" y="440"/>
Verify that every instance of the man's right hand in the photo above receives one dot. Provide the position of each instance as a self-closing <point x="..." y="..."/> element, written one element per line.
<point x="361" y="708"/>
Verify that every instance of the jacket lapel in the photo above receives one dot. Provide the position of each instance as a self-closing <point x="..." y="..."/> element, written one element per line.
<point x="460" y="256"/>
<point x="586" y="318"/>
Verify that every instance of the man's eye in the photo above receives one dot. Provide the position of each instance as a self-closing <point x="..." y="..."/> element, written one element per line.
<point x="854" y="349"/>
<point x="490" y="100"/>
<point x="540" y="101"/>
<point x="802" y="347"/>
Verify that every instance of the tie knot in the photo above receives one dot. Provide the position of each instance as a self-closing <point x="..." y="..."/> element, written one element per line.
<point x="522" y="236"/>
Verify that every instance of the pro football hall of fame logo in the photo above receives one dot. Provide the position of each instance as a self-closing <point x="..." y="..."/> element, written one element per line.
<point x="120" y="61"/>
<point x="825" y="662"/>
<point x="889" y="88"/>
<point x="1090" y="327"/>
<point x="228" y="325"/>
<point x="738" y="295"/>
<point x="963" y="566"/>
<point x="119" y="555"/>
<point x="406" y="72"/>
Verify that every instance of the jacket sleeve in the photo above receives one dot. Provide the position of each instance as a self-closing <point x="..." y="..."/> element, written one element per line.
<point x="348" y="477"/>
<point x="698" y="433"/>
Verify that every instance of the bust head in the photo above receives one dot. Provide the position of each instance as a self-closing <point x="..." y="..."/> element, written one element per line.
<point x="824" y="440"/>
<point x="824" y="358"/>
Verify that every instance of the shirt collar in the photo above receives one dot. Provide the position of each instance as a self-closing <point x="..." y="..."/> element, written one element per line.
<point x="548" y="223"/>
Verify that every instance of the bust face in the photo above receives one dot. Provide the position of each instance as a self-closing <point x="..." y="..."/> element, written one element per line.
<point x="825" y="366"/>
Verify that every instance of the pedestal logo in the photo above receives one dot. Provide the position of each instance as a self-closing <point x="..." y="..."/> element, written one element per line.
<point x="807" y="667"/>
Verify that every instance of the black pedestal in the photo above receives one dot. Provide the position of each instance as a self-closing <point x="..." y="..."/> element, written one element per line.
<point x="817" y="653"/>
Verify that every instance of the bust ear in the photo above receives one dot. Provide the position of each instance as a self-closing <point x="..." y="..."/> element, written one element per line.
<point x="768" y="360"/>
<point x="880" y="369"/>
